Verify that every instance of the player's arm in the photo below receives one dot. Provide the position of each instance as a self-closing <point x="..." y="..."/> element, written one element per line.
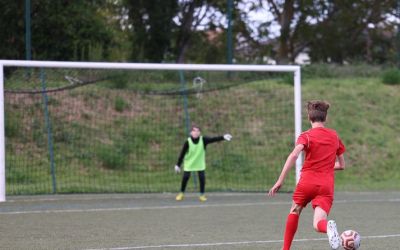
<point x="184" y="150"/>
<point x="208" y="140"/>
<point x="340" y="163"/>
<point x="290" y="161"/>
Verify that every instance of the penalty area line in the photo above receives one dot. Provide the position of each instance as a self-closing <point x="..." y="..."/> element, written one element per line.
<point x="233" y="243"/>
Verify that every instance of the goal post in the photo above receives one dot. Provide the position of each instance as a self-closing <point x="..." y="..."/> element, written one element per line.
<point x="296" y="70"/>
<point x="2" y="139"/>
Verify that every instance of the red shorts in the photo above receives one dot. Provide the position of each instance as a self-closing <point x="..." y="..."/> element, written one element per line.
<point x="319" y="196"/>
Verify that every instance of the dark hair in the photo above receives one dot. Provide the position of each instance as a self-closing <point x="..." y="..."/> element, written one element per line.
<point x="317" y="110"/>
<point x="195" y="126"/>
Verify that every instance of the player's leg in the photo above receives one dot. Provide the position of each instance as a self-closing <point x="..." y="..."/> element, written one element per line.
<point x="185" y="179"/>
<point x="322" y="205"/>
<point x="320" y="221"/>
<point x="301" y="197"/>
<point x="202" y="181"/>
<point x="291" y="225"/>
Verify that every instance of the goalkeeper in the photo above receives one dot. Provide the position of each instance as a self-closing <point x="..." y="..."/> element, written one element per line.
<point x="193" y="156"/>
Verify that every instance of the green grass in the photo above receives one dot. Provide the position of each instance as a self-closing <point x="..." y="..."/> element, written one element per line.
<point x="114" y="140"/>
<point x="365" y="113"/>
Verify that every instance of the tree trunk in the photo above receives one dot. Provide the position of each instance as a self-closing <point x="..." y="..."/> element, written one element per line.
<point x="185" y="32"/>
<point x="284" y="39"/>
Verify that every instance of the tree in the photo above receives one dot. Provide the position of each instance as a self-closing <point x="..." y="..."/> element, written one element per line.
<point x="152" y="22"/>
<point x="12" y="30"/>
<point x="61" y="30"/>
<point x="345" y="35"/>
<point x="66" y="30"/>
<point x="195" y="16"/>
<point x="163" y="29"/>
<point x="285" y="15"/>
<point x="333" y="31"/>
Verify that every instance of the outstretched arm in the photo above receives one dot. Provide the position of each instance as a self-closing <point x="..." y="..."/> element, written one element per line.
<point x="288" y="165"/>
<point x="340" y="164"/>
<point x="208" y="140"/>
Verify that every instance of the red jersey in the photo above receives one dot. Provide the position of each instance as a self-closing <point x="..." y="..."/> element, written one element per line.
<point x="321" y="146"/>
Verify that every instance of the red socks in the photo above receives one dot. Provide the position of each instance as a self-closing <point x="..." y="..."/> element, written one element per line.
<point x="321" y="225"/>
<point x="291" y="228"/>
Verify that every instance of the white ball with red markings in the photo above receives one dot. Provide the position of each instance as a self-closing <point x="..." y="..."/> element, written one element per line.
<point x="350" y="240"/>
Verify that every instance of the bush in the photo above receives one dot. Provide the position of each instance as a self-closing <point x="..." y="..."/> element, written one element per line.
<point x="18" y="175"/>
<point x="112" y="157"/>
<point x="324" y="70"/>
<point x="391" y="76"/>
<point x="13" y="125"/>
<point x="120" y="104"/>
<point x="119" y="80"/>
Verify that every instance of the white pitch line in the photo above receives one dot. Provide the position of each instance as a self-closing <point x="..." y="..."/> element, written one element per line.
<point x="95" y="197"/>
<point x="180" y="207"/>
<point x="233" y="243"/>
<point x="367" y="200"/>
<point x="141" y="208"/>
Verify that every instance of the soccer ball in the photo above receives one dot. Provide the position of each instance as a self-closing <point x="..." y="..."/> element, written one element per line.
<point x="350" y="240"/>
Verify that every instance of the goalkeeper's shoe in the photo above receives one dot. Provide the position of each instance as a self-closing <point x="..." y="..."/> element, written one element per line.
<point x="202" y="198"/>
<point x="179" y="197"/>
<point x="333" y="235"/>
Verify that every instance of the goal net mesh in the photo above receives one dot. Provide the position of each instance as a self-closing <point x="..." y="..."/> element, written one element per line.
<point x="107" y="130"/>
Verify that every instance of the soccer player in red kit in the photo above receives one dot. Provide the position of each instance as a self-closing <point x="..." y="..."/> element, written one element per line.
<point x="323" y="154"/>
